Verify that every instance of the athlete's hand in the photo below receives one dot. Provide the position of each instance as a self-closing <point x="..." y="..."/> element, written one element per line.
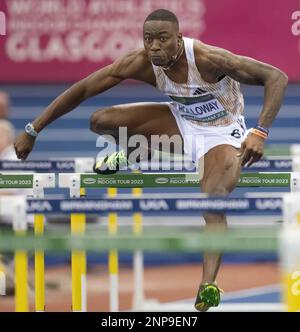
<point x="252" y="150"/>
<point x="24" y="145"/>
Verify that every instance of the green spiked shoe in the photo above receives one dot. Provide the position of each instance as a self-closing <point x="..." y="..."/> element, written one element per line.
<point x="209" y="295"/>
<point x="111" y="164"/>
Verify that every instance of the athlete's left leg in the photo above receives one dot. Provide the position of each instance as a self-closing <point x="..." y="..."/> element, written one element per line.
<point x="221" y="173"/>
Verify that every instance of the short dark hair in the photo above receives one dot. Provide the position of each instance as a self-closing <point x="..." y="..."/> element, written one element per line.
<point x="162" y="15"/>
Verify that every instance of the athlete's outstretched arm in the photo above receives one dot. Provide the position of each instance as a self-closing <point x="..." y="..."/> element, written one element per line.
<point x="98" y="82"/>
<point x="249" y="71"/>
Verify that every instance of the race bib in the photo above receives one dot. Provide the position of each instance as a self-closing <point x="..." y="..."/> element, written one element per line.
<point x="201" y="108"/>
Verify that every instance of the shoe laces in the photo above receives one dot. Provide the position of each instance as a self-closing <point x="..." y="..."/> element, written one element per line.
<point x="213" y="284"/>
<point x="117" y="159"/>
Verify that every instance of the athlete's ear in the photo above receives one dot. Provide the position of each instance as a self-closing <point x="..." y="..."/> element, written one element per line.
<point x="179" y="37"/>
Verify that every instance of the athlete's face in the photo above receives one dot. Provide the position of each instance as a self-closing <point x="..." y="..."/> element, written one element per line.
<point x="161" y="41"/>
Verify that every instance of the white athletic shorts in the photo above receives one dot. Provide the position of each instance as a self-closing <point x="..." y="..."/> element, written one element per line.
<point x="199" y="140"/>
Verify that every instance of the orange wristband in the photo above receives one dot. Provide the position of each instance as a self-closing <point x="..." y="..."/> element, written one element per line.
<point x="259" y="133"/>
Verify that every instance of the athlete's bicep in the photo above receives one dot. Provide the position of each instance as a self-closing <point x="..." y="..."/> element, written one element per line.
<point x="242" y="69"/>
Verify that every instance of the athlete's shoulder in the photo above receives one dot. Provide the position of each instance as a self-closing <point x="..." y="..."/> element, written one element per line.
<point x="207" y="52"/>
<point x="209" y="57"/>
<point x="134" y="64"/>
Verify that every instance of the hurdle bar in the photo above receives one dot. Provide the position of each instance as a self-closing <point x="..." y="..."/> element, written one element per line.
<point x="85" y="165"/>
<point x="151" y="180"/>
<point x="234" y="240"/>
<point x="270" y="164"/>
<point x="80" y="165"/>
<point x="154" y="206"/>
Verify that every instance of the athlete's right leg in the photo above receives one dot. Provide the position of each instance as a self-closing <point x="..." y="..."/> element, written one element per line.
<point x="145" y="119"/>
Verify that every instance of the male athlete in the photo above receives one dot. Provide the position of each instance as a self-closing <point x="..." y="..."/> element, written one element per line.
<point x="196" y="77"/>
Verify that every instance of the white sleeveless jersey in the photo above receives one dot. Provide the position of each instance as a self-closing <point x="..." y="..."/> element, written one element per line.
<point x="202" y="103"/>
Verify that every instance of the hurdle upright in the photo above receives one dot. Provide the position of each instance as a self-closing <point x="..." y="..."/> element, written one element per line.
<point x="40" y="182"/>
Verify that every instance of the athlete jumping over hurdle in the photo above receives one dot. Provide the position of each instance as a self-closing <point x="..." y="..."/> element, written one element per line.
<point x="196" y="77"/>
